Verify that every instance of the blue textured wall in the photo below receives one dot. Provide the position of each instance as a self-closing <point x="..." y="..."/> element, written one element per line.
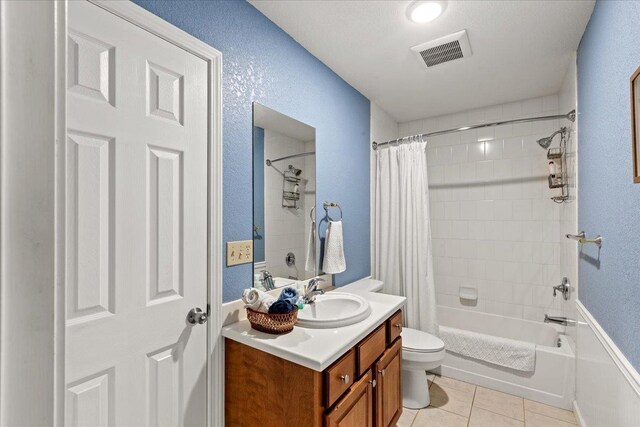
<point x="609" y="202"/>
<point x="258" y="194"/>
<point x="262" y="63"/>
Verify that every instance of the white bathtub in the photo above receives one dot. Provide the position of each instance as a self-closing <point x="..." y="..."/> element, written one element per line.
<point x="552" y="382"/>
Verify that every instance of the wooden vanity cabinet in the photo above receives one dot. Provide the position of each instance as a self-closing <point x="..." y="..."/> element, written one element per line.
<point x="361" y="389"/>
<point x="388" y="391"/>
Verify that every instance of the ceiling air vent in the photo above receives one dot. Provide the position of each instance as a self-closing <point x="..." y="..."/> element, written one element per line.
<point x="444" y="49"/>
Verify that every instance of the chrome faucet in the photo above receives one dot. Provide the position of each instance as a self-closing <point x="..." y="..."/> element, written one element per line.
<point x="564" y="288"/>
<point x="558" y="320"/>
<point x="312" y="290"/>
<point x="267" y="280"/>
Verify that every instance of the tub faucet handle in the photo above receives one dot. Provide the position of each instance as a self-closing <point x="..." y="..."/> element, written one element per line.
<point x="564" y="288"/>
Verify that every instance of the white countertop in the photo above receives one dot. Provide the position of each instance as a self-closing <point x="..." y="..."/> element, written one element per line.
<point x="317" y="349"/>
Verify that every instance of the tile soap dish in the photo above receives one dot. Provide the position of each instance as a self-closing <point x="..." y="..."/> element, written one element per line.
<point x="468" y="293"/>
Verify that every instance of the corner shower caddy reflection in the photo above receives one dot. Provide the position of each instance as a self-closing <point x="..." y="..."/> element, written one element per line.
<point x="290" y="180"/>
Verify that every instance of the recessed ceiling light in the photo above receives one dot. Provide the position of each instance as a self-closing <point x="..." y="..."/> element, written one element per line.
<point x="425" y="11"/>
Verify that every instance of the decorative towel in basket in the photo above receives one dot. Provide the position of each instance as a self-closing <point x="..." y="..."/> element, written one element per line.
<point x="272" y="323"/>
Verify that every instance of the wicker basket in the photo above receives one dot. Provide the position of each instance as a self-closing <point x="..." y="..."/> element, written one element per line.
<point x="272" y="323"/>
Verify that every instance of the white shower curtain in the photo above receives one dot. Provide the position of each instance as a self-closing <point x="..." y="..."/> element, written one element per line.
<point x="403" y="259"/>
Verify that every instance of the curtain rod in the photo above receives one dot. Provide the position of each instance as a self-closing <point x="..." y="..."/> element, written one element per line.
<point x="571" y="116"/>
<point x="293" y="156"/>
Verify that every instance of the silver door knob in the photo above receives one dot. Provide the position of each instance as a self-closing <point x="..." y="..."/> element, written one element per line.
<point x="197" y="316"/>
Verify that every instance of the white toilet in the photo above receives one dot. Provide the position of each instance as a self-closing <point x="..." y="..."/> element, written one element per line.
<point x="420" y="352"/>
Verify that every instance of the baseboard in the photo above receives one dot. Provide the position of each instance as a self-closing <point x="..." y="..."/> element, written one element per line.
<point x="623" y="364"/>
<point x="578" y="414"/>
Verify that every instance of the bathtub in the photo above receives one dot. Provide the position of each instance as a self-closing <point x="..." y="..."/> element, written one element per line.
<point x="552" y="382"/>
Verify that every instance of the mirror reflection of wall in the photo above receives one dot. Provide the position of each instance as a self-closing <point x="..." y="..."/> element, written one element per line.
<point x="285" y="233"/>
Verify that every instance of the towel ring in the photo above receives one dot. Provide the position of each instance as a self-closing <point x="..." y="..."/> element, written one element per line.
<point x="328" y="205"/>
<point x="311" y="213"/>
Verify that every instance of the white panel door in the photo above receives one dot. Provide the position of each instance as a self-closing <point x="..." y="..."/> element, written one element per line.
<point x="136" y="225"/>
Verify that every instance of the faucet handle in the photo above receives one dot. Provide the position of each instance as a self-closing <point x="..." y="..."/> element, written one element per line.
<point x="313" y="283"/>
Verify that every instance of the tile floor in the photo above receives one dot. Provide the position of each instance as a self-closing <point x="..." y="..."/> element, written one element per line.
<point x="458" y="404"/>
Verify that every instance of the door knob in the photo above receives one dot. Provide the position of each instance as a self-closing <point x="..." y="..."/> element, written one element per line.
<point x="197" y="316"/>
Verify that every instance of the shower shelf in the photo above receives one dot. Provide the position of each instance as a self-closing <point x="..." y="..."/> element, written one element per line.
<point x="559" y="178"/>
<point x="290" y="189"/>
<point x="554" y="153"/>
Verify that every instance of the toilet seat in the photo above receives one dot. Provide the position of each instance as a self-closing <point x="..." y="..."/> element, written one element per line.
<point x="415" y="341"/>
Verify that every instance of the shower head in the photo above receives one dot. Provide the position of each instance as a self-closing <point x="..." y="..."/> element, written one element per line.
<point x="546" y="142"/>
<point x="295" y="171"/>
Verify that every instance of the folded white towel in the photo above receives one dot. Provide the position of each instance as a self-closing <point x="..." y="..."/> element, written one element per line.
<point x="257" y="300"/>
<point x="310" y="262"/>
<point x="518" y="355"/>
<point x="334" y="261"/>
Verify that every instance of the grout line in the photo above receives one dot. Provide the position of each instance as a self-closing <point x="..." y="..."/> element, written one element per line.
<point x="473" y="401"/>
<point x="498" y="413"/>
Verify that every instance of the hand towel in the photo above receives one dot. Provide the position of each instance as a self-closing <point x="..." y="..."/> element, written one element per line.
<point x="289" y="294"/>
<point x="257" y="300"/>
<point x="310" y="262"/>
<point x="282" y="306"/>
<point x="334" y="261"/>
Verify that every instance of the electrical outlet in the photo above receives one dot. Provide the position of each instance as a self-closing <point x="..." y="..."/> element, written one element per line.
<point x="240" y="252"/>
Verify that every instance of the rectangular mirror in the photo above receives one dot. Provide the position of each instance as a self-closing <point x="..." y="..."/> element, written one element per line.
<point x="285" y="242"/>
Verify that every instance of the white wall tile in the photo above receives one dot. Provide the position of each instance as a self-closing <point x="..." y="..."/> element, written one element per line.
<point x="493" y="224"/>
<point x="459" y="153"/>
<point x="476" y="151"/>
<point x="493" y="149"/>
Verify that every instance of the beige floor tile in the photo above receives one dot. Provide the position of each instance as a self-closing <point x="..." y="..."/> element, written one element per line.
<point x="407" y="417"/>
<point x="537" y="420"/>
<point x="549" y="411"/>
<point x="500" y="403"/>
<point x="483" y="418"/>
<point x="451" y="400"/>
<point x="456" y="384"/>
<point x="434" y="417"/>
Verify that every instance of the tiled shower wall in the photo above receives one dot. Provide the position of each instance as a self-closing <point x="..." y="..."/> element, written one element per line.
<point x="285" y="226"/>
<point x="493" y="225"/>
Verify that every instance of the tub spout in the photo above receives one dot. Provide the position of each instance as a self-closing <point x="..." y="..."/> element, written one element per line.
<point x="558" y="320"/>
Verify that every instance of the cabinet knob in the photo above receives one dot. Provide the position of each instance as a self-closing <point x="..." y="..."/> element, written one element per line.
<point x="381" y="372"/>
<point x="374" y="383"/>
<point x="398" y="325"/>
<point x="344" y="378"/>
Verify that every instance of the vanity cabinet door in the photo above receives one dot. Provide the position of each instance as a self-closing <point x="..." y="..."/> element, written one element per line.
<point x="356" y="407"/>
<point x="388" y="386"/>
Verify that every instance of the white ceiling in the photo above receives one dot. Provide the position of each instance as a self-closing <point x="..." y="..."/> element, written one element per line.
<point x="266" y="118"/>
<point x="521" y="49"/>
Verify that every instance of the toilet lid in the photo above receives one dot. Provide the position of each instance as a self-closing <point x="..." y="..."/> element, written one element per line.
<point x="419" y="341"/>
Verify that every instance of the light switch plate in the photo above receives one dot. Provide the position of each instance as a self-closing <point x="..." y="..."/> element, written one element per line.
<point x="239" y="252"/>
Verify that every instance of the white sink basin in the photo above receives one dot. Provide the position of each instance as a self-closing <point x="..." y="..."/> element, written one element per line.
<point x="333" y="310"/>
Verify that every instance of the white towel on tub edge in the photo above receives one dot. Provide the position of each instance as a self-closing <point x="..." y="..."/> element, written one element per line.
<point x="514" y="354"/>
